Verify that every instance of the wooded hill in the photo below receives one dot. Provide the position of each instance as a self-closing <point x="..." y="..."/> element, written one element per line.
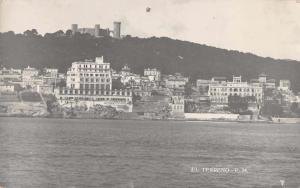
<point x="59" y="50"/>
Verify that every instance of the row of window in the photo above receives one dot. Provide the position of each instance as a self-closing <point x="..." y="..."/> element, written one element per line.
<point x="95" y="86"/>
<point x="235" y="89"/>
<point x="91" y="75"/>
<point x="178" y="107"/>
<point x="94" y="70"/>
<point x="223" y="100"/>
<point x="94" y="80"/>
<point x="227" y="94"/>
<point x="94" y="66"/>
<point x="94" y="92"/>
<point x="93" y="99"/>
<point x="95" y="75"/>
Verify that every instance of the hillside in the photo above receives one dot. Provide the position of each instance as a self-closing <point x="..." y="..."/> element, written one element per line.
<point x="195" y="60"/>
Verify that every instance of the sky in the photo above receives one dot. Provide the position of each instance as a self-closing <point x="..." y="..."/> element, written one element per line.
<point x="269" y="28"/>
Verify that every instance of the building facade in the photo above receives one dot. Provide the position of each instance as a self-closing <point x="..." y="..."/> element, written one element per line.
<point x="177" y="105"/>
<point x="264" y="81"/>
<point x="10" y="75"/>
<point x="152" y="74"/>
<point x="90" y="83"/>
<point x="284" y="85"/>
<point x="219" y="93"/>
<point x="6" y="87"/>
<point x="176" y="81"/>
<point x="89" y="75"/>
<point x="97" y="31"/>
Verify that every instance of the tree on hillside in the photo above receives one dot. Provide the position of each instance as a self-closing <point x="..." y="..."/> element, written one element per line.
<point x="59" y="33"/>
<point x="163" y="53"/>
<point x="31" y="33"/>
<point x="69" y="33"/>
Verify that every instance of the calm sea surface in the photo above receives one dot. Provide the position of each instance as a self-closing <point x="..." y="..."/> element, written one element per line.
<point x="38" y="153"/>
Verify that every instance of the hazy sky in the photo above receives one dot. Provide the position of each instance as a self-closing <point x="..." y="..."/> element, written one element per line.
<point x="264" y="27"/>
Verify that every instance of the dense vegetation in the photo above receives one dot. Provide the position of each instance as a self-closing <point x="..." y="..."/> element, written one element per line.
<point x="60" y="49"/>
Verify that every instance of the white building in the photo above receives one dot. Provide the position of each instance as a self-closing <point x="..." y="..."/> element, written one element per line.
<point x="6" y="87"/>
<point x="90" y="83"/>
<point x="152" y="74"/>
<point x="89" y="75"/>
<point x="30" y="77"/>
<point x="125" y="71"/>
<point x="29" y="72"/>
<point x="203" y="85"/>
<point x="10" y="75"/>
<point x="264" y="82"/>
<point x="53" y="73"/>
<point x="177" y="105"/>
<point x="219" y="93"/>
<point x="176" y="81"/>
<point x="284" y="85"/>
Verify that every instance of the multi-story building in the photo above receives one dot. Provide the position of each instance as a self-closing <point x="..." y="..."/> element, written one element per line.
<point x="219" y="92"/>
<point x="50" y="77"/>
<point x="90" y="83"/>
<point x="264" y="82"/>
<point x="131" y="80"/>
<point x="125" y="71"/>
<point x="284" y="85"/>
<point x="6" y="87"/>
<point x="176" y="81"/>
<point x="203" y="85"/>
<point x="30" y="77"/>
<point x="90" y="76"/>
<point x="10" y="75"/>
<point x="152" y="74"/>
<point x="29" y="72"/>
<point x="177" y="105"/>
<point x="51" y="72"/>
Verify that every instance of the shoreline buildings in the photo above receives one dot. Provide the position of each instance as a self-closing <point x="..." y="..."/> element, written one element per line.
<point x="90" y="83"/>
<point x="219" y="92"/>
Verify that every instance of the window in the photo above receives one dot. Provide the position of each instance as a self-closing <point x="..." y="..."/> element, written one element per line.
<point x="102" y="86"/>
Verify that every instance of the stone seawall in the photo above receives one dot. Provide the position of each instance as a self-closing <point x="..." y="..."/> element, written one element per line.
<point x="286" y="120"/>
<point x="211" y="116"/>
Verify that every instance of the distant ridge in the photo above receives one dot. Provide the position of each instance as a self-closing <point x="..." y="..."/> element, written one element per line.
<point x="192" y="59"/>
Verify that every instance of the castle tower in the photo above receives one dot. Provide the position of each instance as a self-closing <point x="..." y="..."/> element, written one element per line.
<point x="97" y="30"/>
<point x="117" y="30"/>
<point x="74" y="28"/>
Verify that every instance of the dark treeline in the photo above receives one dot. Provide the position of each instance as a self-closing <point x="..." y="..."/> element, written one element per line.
<point x="60" y="49"/>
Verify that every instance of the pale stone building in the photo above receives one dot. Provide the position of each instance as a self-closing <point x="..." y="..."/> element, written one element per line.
<point x="219" y="92"/>
<point x="264" y="81"/>
<point x="152" y="74"/>
<point x="284" y="85"/>
<point x="90" y="83"/>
